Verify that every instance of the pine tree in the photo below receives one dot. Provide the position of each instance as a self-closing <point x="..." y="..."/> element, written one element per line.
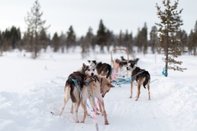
<point x="71" y="38"/>
<point x="144" y="37"/>
<point x="141" y="39"/>
<point x="153" y="39"/>
<point x="101" y="36"/>
<point x="130" y="44"/>
<point x="195" y="39"/>
<point x="182" y="35"/>
<point x="15" y="36"/>
<point x="56" y="42"/>
<point x="86" y="42"/>
<point x="190" y="44"/>
<point x="62" y="42"/>
<point x="168" y="27"/>
<point x="1" y="44"/>
<point x="34" y="26"/>
<point x="126" y="39"/>
<point x="44" y="40"/>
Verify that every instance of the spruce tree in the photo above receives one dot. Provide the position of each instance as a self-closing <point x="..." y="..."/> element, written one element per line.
<point x="153" y="39"/>
<point x="56" y="42"/>
<point x="141" y="39"/>
<point x="101" y="36"/>
<point x="71" y="38"/>
<point x="86" y="42"/>
<point x="1" y="44"/>
<point x="190" y="44"/>
<point x="44" y="40"/>
<point x="195" y="40"/>
<point x="168" y="27"/>
<point x="34" y="27"/>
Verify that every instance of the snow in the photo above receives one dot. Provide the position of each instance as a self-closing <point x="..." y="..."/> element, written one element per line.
<point x="31" y="89"/>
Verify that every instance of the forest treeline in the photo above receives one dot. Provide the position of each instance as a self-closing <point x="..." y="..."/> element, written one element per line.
<point x="12" y="38"/>
<point x="36" y="38"/>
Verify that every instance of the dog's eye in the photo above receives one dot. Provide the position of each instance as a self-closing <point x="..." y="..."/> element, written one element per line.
<point x="88" y="69"/>
<point x="93" y="69"/>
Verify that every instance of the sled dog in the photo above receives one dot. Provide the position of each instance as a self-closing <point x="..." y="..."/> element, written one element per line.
<point x="79" y="91"/>
<point x="102" y="69"/>
<point x="72" y="91"/>
<point x="141" y="76"/>
<point x="102" y="87"/>
<point x="124" y="63"/>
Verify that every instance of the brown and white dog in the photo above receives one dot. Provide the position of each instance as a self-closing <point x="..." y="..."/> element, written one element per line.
<point x="103" y="86"/>
<point x="141" y="76"/>
<point x="76" y="89"/>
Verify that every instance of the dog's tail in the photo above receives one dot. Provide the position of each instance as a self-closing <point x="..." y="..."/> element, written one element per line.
<point x="147" y="79"/>
<point x="136" y="60"/>
<point x="109" y="71"/>
<point x="70" y="84"/>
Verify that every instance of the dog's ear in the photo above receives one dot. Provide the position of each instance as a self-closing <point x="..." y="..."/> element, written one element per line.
<point x="110" y="85"/>
<point x="94" y="61"/>
<point x="84" y="65"/>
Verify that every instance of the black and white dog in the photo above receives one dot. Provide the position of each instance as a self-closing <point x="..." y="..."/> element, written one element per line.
<point x="123" y="61"/>
<point x="102" y="69"/>
<point x="141" y="76"/>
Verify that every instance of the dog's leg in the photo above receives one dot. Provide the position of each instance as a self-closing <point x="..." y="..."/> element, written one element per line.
<point x="76" y="107"/>
<point x="131" y="88"/>
<point x="85" y="111"/>
<point x="94" y="106"/>
<point x="104" y="112"/>
<point x="138" y="91"/>
<point x="148" y="85"/>
<point x="66" y="98"/>
<point x="100" y="106"/>
<point x="71" y="109"/>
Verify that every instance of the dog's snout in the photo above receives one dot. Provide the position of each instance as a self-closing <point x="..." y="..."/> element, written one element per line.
<point x="92" y="74"/>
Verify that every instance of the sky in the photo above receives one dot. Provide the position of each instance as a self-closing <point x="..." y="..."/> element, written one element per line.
<point x="81" y="14"/>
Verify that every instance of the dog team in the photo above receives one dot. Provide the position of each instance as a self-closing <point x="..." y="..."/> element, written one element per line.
<point x="94" y="81"/>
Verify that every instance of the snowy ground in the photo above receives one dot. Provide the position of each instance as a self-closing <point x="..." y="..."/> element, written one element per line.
<point x="31" y="89"/>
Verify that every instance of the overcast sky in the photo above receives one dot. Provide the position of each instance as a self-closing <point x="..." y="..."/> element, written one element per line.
<point x="81" y="14"/>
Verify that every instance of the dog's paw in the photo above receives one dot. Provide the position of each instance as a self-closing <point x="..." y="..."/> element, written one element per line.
<point x="106" y="123"/>
<point x="82" y="121"/>
<point x="97" y="113"/>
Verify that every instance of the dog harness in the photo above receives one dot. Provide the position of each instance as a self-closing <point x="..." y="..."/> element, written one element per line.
<point x="87" y="83"/>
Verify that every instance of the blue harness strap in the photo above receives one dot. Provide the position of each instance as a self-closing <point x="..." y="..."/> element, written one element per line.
<point x="164" y="72"/>
<point x="125" y="81"/>
<point x="86" y="83"/>
<point x="75" y="81"/>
